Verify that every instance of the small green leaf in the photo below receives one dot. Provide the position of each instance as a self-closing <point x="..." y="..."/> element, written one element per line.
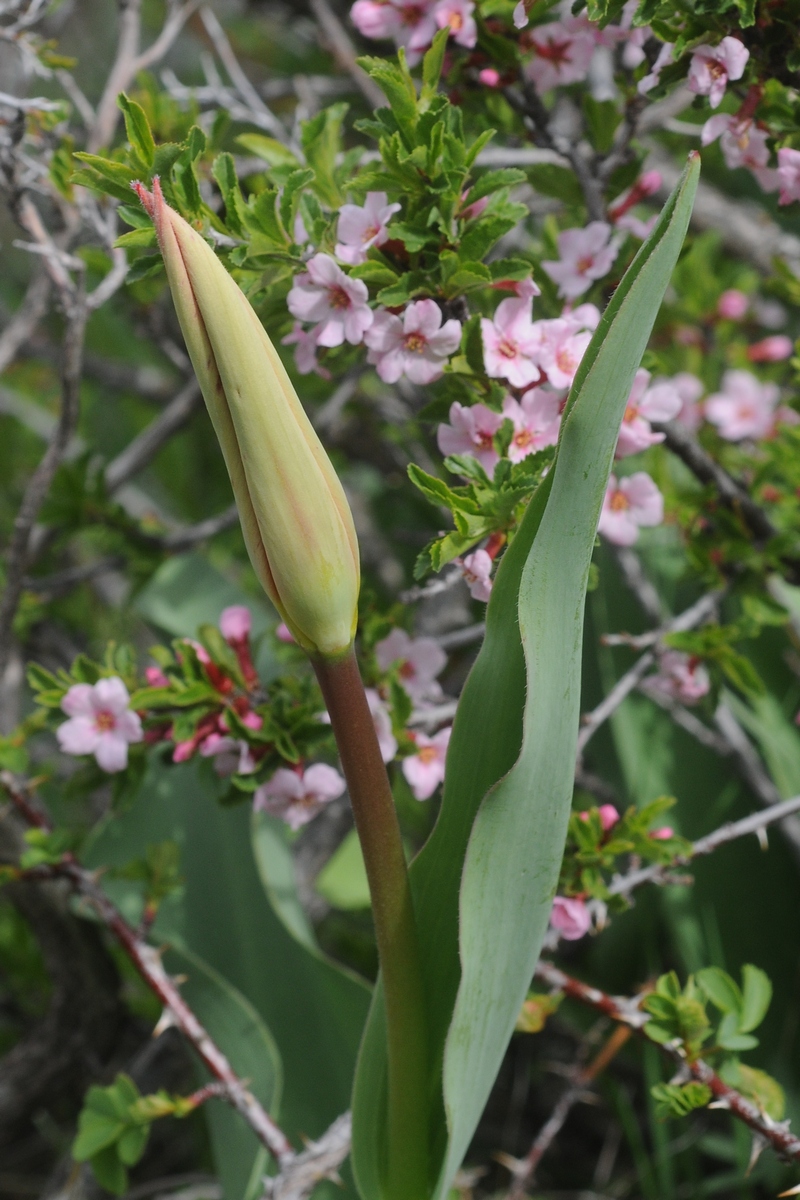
<point x="673" y="1100"/>
<point x="756" y="997"/>
<point x="109" y="1171"/>
<point x="131" y="1145"/>
<point x="432" y="65"/>
<point x="269" y="149"/>
<point x="722" y="991"/>
<point x="137" y="128"/>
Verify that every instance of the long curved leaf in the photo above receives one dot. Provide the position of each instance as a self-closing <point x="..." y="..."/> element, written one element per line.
<point x="508" y="843"/>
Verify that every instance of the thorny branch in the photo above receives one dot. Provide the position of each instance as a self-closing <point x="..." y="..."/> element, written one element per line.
<point x="627" y="1011"/>
<point x="39" y="483"/>
<point x="689" y="619"/>
<point x="147" y="962"/>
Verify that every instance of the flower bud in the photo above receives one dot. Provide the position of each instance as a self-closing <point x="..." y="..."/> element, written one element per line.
<point x="296" y="521"/>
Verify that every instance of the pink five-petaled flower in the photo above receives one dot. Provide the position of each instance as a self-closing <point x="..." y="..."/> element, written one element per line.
<point x="326" y="295"/>
<point x="712" y="66"/>
<point x="376" y="18"/>
<point x="585" y="255"/>
<point x="409" y="22"/>
<point x="477" y="568"/>
<point x="424" y="771"/>
<point x="305" y="351"/>
<point x="561" y="348"/>
<point x="360" y="227"/>
<point x="471" y="431"/>
<point x="608" y="816"/>
<point x="680" y="677"/>
<point x="420" y="661"/>
<point x="570" y="917"/>
<point x="536" y="419"/>
<point x="235" y="623"/>
<point x="628" y="504"/>
<point x="689" y="389"/>
<point x="417" y="346"/>
<point x="101" y="723"/>
<point x="298" y="798"/>
<point x="744" y="408"/>
<point x="661" y="402"/>
<point x="743" y="145"/>
<point x="511" y="341"/>
<point x="561" y="55"/>
<point x="457" y="16"/>
<point x="789" y="174"/>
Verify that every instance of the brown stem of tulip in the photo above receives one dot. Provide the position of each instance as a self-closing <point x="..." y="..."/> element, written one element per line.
<point x="395" y="926"/>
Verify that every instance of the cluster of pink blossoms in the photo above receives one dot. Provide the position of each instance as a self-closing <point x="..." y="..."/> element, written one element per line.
<point x="412" y="24"/>
<point x="415" y="344"/>
<point x="571" y="916"/>
<point x="418" y="662"/>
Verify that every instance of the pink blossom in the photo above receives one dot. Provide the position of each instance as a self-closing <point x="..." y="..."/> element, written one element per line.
<point x="235" y="623"/>
<point x="652" y="80"/>
<point x="520" y="16"/>
<point x="661" y="402"/>
<point x="608" y="816"/>
<point x="489" y="77"/>
<point x="510" y="343"/>
<point x="743" y="145"/>
<point x="663" y="834"/>
<point x="101" y="723"/>
<point x="771" y="349"/>
<point x="471" y="431"/>
<point x="326" y="295"/>
<point x="376" y="19"/>
<point x="420" y="660"/>
<point x="561" y="55"/>
<point x="475" y="209"/>
<point x="410" y="24"/>
<point x="477" y="568"/>
<point x="383" y="725"/>
<point x="561" y="350"/>
<point x="636" y="226"/>
<point x="536" y="419"/>
<point x="305" y="351"/>
<point x="689" y="389"/>
<point x="680" y="677"/>
<point x="300" y="233"/>
<point x="424" y="771"/>
<point x="733" y="304"/>
<point x="360" y="227"/>
<point x="745" y="408"/>
<point x="417" y="346"/>
<point x="712" y="66"/>
<point x="628" y="504"/>
<point x="457" y="15"/>
<point x="298" y="798"/>
<point x="156" y="677"/>
<point x="284" y="634"/>
<point x="789" y="174"/>
<point x="233" y="755"/>
<point x="570" y="917"/>
<point x="586" y="255"/>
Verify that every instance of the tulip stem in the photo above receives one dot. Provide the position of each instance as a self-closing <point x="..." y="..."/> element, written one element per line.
<point x="395" y="926"/>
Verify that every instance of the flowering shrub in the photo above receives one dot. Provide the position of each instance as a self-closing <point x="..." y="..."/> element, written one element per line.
<point x="444" y="270"/>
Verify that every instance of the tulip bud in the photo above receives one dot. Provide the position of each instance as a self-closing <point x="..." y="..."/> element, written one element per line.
<point x="296" y="521"/>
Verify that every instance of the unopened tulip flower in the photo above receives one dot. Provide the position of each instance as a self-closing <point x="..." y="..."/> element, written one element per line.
<point x="295" y="518"/>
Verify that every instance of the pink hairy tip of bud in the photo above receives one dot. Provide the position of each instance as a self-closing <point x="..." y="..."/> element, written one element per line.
<point x="156" y="677"/>
<point x="284" y="634"/>
<point x="608" y="816"/>
<point x="235" y="623"/>
<point x="489" y="77"/>
<point x="663" y="834"/>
